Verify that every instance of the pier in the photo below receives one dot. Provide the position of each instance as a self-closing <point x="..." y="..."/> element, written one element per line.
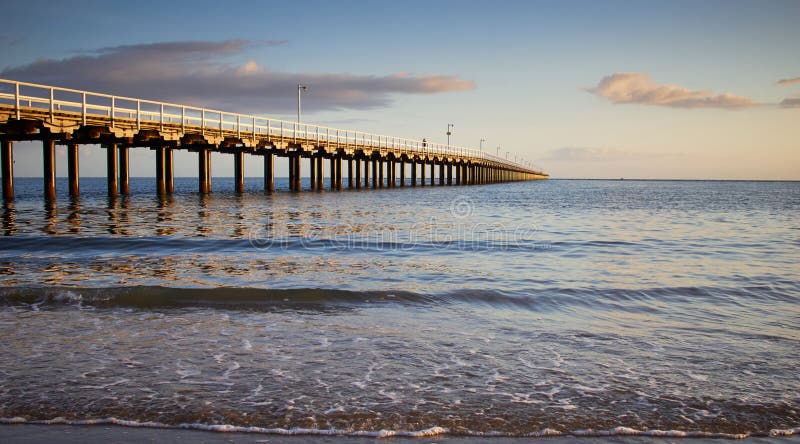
<point x="60" y="116"/>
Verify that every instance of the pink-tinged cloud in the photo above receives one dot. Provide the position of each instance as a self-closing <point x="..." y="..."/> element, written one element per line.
<point x="638" y="88"/>
<point x="787" y="82"/>
<point x="201" y="74"/>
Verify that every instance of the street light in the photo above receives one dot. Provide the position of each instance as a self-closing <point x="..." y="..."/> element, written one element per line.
<point x="300" y="88"/>
<point x="498" y="151"/>
<point x="449" y="125"/>
<point x="482" y="140"/>
<point x="507" y="153"/>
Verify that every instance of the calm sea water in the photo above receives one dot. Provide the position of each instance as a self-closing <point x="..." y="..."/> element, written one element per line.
<point x="573" y="307"/>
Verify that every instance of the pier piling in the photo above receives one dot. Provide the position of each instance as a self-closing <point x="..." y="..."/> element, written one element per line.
<point x="7" y="159"/>
<point x="202" y="171"/>
<point x="169" y="171"/>
<point x="320" y="172"/>
<point x="161" y="188"/>
<point x="269" y="172"/>
<point x="297" y="173"/>
<point x="73" y="169"/>
<point x="111" y="169"/>
<point x="238" y="171"/>
<point x="124" y="171"/>
<point x="312" y="172"/>
<point x="49" y="168"/>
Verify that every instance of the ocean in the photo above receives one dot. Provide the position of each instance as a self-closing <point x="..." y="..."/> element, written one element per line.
<point x="529" y="309"/>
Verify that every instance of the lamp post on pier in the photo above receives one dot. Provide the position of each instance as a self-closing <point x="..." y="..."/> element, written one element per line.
<point x="300" y="89"/>
<point x="481" y="144"/>
<point x="449" y="125"/>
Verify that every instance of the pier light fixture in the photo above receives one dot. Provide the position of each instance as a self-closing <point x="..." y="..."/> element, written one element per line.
<point x="498" y="151"/>
<point x="449" y="126"/>
<point x="300" y="89"/>
<point x="481" y="144"/>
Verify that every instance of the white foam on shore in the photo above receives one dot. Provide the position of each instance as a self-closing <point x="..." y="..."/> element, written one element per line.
<point x="424" y="433"/>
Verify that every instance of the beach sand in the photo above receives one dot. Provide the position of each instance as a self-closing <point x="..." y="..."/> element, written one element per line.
<point x="41" y="434"/>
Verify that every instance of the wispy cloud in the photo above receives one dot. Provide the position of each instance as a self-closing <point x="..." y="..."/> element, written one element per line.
<point x="200" y="73"/>
<point x="595" y="154"/>
<point x="638" y="88"/>
<point x="787" y="82"/>
<point x="791" y="102"/>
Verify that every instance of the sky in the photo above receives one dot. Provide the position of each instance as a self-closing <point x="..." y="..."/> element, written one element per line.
<point x="583" y="89"/>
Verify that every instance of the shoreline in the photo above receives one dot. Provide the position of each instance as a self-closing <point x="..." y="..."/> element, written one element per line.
<point x="69" y="434"/>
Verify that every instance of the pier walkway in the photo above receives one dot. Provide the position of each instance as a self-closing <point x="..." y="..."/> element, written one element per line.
<point x="71" y="117"/>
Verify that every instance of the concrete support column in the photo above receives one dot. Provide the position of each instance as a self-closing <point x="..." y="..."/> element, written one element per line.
<point x="298" y="174"/>
<point x="49" y="168"/>
<point x="312" y="172"/>
<point x="238" y="172"/>
<point x="458" y="178"/>
<point x="380" y="173"/>
<point x="7" y="159"/>
<point x="269" y="172"/>
<point x="111" y="169"/>
<point x="433" y="173"/>
<point x="358" y="172"/>
<point x="169" y="170"/>
<point x="402" y="173"/>
<point x="375" y="173"/>
<point x="449" y="173"/>
<point x="422" y="173"/>
<point x="441" y="173"/>
<point x="333" y="172"/>
<point x="350" y="182"/>
<point x="320" y="172"/>
<point x="202" y="171"/>
<point x="73" y="169"/>
<point x="124" y="172"/>
<point x="291" y="172"/>
<point x="209" y="177"/>
<point x="338" y="173"/>
<point x="392" y="173"/>
<point x="161" y="188"/>
<point x="413" y="173"/>
<point x="366" y="173"/>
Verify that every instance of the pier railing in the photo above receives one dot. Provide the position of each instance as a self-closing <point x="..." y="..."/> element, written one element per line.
<point x="90" y="105"/>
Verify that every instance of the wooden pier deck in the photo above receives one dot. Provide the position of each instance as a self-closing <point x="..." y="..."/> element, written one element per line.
<point x="70" y="117"/>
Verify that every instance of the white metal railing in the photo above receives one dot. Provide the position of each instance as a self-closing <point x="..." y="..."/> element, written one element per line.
<point x="210" y="122"/>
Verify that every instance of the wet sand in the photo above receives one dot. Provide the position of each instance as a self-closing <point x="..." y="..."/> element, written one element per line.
<point x="41" y="434"/>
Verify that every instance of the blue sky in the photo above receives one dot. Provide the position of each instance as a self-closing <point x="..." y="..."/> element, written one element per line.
<point x="521" y="75"/>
